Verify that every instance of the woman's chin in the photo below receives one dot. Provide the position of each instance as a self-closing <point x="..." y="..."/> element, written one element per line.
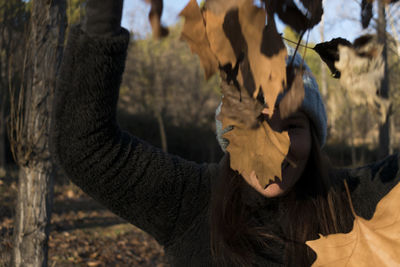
<point x="273" y="190"/>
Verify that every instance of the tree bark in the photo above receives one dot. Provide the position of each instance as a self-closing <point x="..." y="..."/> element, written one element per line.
<point x="353" y="148"/>
<point x="35" y="188"/>
<point x="2" y="138"/>
<point x="32" y="217"/>
<point x="163" y="135"/>
<point x="384" y="129"/>
<point x="324" y="85"/>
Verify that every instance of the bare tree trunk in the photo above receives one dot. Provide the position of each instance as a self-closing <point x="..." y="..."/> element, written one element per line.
<point x="32" y="218"/>
<point x="324" y="86"/>
<point x="30" y="141"/>
<point x="384" y="129"/>
<point x="163" y="135"/>
<point x="353" y="149"/>
<point x="2" y="137"/>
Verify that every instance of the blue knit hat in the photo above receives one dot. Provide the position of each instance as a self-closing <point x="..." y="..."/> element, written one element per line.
<point x="312" y="106"/>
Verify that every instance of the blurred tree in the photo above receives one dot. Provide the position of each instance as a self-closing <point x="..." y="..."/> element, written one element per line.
<point x="384" y="130"/>
<point x="166" y="81"/>
<point x="328" y="86"/>
<point x="384" y="21"/>
<point x="342" y="117"/>
<point x="14" y="17"/>
<point x="75" y="11"/>
<point x="30" y="121"/>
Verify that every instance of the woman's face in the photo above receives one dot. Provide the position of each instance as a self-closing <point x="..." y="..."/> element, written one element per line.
<point x="298" y="127"/>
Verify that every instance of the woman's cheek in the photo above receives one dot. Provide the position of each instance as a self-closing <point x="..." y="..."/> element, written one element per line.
<point x="300" y="146"/>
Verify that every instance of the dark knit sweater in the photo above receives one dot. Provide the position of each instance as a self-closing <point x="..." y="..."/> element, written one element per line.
<point x="165" y="195"/>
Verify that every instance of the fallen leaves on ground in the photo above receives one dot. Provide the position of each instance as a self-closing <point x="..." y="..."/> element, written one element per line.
<point x="374" y="242"/>
<point x="83" y="233"/>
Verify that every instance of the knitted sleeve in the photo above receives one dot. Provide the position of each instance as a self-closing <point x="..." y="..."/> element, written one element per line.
<point x="369" y="184"/>
<point x="156" y="191"/>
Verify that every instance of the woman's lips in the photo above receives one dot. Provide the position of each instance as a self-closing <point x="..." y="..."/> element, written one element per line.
<point x="275" y="181"/>
<point x="285" y="165"/>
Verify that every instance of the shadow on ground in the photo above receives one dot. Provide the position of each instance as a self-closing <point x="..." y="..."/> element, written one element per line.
<point x="83" y="233"/>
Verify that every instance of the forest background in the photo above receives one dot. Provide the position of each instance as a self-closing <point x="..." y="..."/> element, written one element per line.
<point x="165" y="100"/>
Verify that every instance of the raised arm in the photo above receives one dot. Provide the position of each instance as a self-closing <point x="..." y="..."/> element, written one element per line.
<point x="153" y="190"/>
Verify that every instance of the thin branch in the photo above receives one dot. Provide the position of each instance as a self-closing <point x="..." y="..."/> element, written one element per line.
<point x="297" y="43"/>
<point x="396" y="37"/>
<point x="305" y="50"/>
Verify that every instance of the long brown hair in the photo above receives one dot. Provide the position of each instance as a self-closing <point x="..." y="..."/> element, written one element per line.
<point x="315" y="205"/>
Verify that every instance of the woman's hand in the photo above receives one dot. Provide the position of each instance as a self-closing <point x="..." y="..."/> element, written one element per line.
<point x="103" y="18"/>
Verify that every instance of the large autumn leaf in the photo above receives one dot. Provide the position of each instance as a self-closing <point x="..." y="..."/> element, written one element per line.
<point x="194" y="33"/>
<point x="374" y="242"/>
<point x="266" y="52"/>
<point x="253" y="144"/>
<point x="238" y="30"/>
<point x="251" y="57"/>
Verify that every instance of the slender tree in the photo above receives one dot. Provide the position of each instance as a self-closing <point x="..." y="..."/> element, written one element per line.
<point x="154" y="78"/>
<point x="384" y="129"/>
<point x="30" y="129"/>
<point x="14" y="16"/>
<point x="324" y="84"/>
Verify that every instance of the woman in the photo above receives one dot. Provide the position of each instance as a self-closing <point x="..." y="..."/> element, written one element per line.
<point x="203" y="214"/>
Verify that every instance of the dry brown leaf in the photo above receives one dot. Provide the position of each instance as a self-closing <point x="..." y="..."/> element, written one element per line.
<point x="253" y="144"/>
<point x="293" y="16"/>
<point x="329" y="53"/>
<point x="238" y="108"/>
<point x="258" y="149"/>
<point x="314" y="11"/>
<point x="251" y="57"/>
<point x="159" y="31"/>
<point x="194" y="33"/>
<point x="374" y="242"/>
<point x="229" y="45"/>
<point x="94" y="263"/>
<point x="241" y="31"/>
<point x="362" y="70"/>
<point x="366" y="13"/>
<point x="219" y="43"/>
<point x="219" y="7"/>
<point x="266" y="52"/>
